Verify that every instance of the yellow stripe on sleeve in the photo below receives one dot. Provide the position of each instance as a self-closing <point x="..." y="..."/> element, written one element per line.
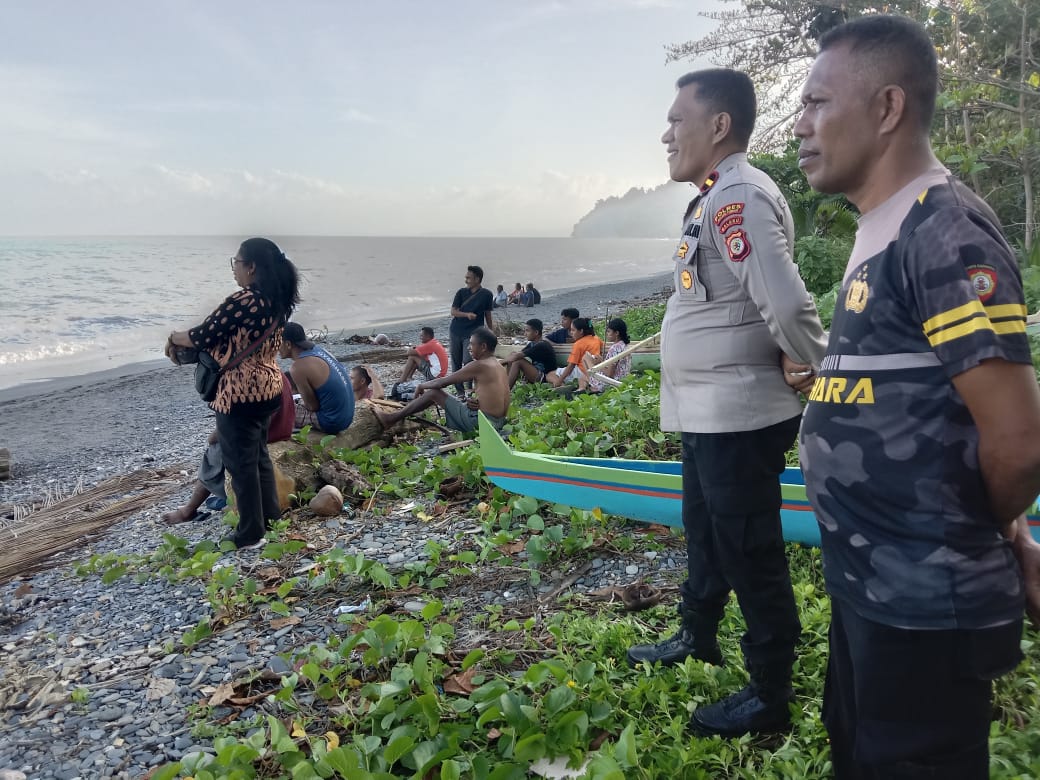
<point x="973" y="325"/>
<point x="1009" y="326"/>
<point x="953" y="315"/>
<point x="1007" y="310"/>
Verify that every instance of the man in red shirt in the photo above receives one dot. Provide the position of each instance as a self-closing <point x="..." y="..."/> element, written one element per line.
<point x="429" y="358"/>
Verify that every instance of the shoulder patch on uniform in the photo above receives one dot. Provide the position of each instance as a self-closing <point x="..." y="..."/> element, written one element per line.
<point x="729" y="223"/>
<point x="737" y="246"/>
<point x="682" y="250"/>
<point x="983" y="280"/>
<point x="727" y="211"/>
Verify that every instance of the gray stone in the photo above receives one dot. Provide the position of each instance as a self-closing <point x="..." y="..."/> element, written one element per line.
<point x="107" y="714"/>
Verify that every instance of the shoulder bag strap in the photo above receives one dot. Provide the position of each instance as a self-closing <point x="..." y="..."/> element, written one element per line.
<point x="236" y="359"/>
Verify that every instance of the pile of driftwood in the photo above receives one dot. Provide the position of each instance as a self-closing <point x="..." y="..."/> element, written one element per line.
<point x="27" y="544"/>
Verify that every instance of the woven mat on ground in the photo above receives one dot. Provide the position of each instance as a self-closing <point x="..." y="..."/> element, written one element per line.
<point x="27" y="545"/>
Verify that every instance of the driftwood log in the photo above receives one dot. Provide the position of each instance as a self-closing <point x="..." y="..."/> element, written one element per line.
<point x="298" y="468"/>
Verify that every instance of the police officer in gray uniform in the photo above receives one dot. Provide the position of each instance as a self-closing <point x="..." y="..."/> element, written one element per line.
<point x="739" y="318"/>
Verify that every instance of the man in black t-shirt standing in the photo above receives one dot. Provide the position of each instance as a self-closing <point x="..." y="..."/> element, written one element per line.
<point x="535" y="360"/>
<point x="920" y="443"/>
<point x="470" y="309"/>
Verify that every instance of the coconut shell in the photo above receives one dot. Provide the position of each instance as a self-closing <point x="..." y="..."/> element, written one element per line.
<point x="328" y="502"/>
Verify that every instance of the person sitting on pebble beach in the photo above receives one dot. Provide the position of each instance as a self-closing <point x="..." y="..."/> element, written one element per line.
<point x="326" y="396"/>
<point x="535" y="360"/>
<point x="365" y="383"/>
<point x="586" y="342"/>
<point x="209" y="482"/>
<point x="501" y="297"/>
<point x="490" y="390"/>
<point x="617" y="337"/>
<point x="429" y="358"/>
<point x="514" y="296"/>
<point x="563" y="333"/>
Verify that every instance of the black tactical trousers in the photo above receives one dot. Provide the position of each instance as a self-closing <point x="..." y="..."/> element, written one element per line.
<point x="731" y="514"/>
<point x="905" y="704"/>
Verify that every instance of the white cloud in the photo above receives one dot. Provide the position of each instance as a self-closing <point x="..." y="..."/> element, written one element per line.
<point x="356" y="115"/>
<point x="188" y="181"/>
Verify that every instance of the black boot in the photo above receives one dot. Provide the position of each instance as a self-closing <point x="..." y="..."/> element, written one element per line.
<point x="760" y="707"/>
<point x="694" y="639"/>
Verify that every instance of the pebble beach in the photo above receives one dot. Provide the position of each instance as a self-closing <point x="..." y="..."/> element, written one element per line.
<point x="93" y="677"/>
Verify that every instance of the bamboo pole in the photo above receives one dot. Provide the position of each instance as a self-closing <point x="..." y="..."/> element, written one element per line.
<point x="622" y="354"/>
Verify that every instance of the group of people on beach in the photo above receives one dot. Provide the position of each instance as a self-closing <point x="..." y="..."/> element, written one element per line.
<point x="519" y="296"/>
<point x="920" y="441"/>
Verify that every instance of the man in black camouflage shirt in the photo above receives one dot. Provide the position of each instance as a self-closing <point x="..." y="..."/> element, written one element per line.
<point x="921" y="440"/>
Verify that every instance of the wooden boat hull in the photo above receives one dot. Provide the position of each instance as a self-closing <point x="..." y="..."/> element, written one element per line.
<point x="647" y="359"/>
<point x="645" y="490"/>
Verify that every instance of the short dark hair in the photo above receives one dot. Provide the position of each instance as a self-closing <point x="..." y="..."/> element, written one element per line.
<point x="294" y="334"/>
<point x="534" y="324"/>
<point x="899" y="51"/>
<point x="572" y="313"/>
<point x="487" y="337"/>
<point x="728" y="91"/>
<point x="476" y="270"/>
<point x="427" y="330"/>
<point x="583" y="324"/>
<point x="363" y="372"/>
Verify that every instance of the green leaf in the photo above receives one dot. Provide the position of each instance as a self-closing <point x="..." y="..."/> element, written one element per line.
<point x="471" y="658"/>
<point x="625" y="749"/>
<point x="530" y="748"/>
<point x="396" y="749"/>
<point x="535" y="523"/>
<point x="113" y="574"/>
<point x="432" y="610"/>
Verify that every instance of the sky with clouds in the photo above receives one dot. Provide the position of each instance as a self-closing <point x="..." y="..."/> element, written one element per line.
<point x="345" y="117"/>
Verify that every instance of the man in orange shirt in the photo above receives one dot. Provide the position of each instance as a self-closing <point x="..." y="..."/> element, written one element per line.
<point x="429" y="358"/>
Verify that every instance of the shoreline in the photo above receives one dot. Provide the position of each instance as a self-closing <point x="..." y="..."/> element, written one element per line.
<point x="93" y="426"/>
<point x="396" y="329"/>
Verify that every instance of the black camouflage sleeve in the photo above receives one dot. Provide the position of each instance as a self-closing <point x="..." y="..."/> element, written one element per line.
<point x="963" y="283"/>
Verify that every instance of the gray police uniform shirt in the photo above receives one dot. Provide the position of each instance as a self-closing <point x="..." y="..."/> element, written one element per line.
<point x="888" y="447"/>
<point x="738" y="303"/>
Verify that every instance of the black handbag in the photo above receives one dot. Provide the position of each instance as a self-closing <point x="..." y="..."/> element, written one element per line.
<point x="208" y="370"/>
<point x="207" y="376"/>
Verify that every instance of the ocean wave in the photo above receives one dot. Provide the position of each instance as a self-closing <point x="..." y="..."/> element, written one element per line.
<point x="44" y="352"/>
<point x="113" y="320"/>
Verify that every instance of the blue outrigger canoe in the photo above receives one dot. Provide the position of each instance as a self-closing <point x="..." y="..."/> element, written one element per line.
<point x="645" y="490"/>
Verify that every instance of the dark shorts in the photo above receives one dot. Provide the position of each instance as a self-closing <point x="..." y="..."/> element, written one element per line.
<point x="906" y="703"/>
<point x="425" y="368"/>
<point x="462" y="418"/>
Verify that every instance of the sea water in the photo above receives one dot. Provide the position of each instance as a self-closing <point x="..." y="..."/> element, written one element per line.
<point x="75" y="305"/>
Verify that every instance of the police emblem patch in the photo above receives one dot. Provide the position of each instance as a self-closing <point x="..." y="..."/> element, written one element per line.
<point x="859" y="291"/>
<point x="737" y="246"/>
<point x="682" y="250"/>
<point x="983" y="280"/>
<point x="686" y="278"/>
